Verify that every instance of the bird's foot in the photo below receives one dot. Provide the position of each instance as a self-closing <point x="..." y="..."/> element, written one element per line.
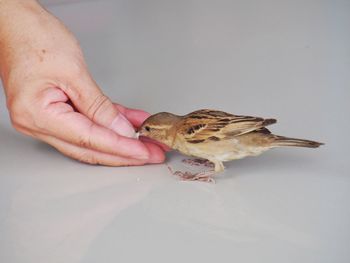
<point x="201" y="176"/>
<point x="205" y="176"/>
<point x="198" y="162"/>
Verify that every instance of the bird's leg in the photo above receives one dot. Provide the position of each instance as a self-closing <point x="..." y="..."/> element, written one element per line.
<point x="204" y="176"/>
<point x="198" y="162"/>
<point x="219" y="166"/>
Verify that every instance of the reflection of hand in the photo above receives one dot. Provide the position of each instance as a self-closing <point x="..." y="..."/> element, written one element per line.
<point x="51" y="95"/>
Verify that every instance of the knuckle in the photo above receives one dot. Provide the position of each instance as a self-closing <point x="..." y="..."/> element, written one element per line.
<point x="99" y="105"/>
<point x="85" y="142"/>
<point x="87" y="157"/>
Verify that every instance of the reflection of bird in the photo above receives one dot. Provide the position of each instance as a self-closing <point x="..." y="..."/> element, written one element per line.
<point x="216" y="136"/>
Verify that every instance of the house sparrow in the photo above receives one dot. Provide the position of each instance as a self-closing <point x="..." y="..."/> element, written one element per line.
<point x="216" y="136"/>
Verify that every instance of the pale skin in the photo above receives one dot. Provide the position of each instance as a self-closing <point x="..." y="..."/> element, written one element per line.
<point x="52" y="97"/>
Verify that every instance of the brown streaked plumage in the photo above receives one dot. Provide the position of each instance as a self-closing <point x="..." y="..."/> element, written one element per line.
<point x="217" y="136"/>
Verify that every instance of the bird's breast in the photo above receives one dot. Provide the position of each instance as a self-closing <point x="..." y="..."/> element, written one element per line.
<point x="224" y="150"/>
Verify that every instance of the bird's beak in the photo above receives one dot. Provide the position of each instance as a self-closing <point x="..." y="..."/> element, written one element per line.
<point x="137" y="135"/>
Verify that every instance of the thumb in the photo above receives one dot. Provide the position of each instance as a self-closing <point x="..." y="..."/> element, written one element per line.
<point x="89" y="100"/>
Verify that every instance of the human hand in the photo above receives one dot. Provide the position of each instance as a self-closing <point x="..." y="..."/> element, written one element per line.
<point x="52" y="97"/>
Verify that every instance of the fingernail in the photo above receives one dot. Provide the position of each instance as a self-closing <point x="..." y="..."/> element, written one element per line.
<point x="123" y="127"/>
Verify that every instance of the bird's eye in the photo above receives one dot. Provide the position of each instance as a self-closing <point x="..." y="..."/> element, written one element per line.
<point x="147" y="128"/>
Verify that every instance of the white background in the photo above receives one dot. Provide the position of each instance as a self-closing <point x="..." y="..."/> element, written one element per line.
<point x="284" y="59"/>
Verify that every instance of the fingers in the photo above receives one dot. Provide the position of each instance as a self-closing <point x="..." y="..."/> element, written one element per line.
<point x="76" y="129"/>
<point x="82" y="139"/>
<point x="88" y="155"/>
<point x="61" y="121"/>
<point x="156" y="153"/>
<point x="90" y="101"/>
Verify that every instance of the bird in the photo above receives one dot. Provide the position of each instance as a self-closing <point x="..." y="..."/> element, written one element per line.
<point x="216" y="136"/>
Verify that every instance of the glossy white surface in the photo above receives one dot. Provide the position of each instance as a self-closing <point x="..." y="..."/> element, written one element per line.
<point x="289" y="60"/>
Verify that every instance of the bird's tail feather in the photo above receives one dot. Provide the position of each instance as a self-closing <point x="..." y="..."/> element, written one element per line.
<point x="285" y="141"/>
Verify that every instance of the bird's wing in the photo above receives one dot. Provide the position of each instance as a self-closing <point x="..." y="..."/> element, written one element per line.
<point x="213" y="125"/>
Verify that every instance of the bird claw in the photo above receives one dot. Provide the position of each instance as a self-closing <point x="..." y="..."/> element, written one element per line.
<point x="201" y="177"/>
<point x="204" y="176"/>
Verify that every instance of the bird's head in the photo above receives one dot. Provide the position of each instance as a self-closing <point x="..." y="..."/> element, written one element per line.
<point x="160" y="127"/>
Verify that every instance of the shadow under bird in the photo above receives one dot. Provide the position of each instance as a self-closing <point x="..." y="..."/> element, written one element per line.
<point x="216" y="135"/>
